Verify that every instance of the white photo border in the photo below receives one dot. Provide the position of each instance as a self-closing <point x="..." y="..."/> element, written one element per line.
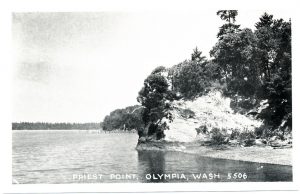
<point x="9" y="7"/>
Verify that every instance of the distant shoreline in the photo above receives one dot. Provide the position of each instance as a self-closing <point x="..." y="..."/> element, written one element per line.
<point x="97" y="130"/>
<point x="51" y="129"/>
<point x="54" y="126"/>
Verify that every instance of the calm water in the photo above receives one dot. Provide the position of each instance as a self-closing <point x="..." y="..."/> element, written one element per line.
<point x="90" y="157"/>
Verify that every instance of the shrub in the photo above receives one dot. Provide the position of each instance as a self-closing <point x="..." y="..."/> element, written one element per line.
<point x="247" y="138"/>
<point x="235" y="134"/>
<point x="202" y="129"/>
<point x="187" y="113"/>
<point x="217" y="137"/>
<point x="259" y="132"/>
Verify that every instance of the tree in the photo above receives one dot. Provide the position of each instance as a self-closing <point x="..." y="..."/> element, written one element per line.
<point x="236" y="55"/>
<point x="189" y="79"/>
<point x="258" y="64"/>
<point x="275" y="60"/>
<point x="266" y="44"/>
<point x="230" y="27"/>
<point x="197" y="56"/>
<point x="155" y="97"/>
<point x="228" y="15"/>
<point x="128" y="118"/>
<point x="265" y="20"/>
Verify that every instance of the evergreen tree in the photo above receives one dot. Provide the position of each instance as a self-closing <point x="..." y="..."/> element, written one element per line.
<point x="230" y="27"/>
<point x="197" y="56"/>
<point x="155" y="97"/>
<point x="228" y="15"/>
<point x="275" y="58"/>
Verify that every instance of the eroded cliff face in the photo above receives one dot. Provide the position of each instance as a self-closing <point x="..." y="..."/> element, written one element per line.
<point x="195" y="120"/>
<point x="199" y="119"/>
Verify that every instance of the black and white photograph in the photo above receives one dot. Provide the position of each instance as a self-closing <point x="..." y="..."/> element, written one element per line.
<point x="101" y="97"/>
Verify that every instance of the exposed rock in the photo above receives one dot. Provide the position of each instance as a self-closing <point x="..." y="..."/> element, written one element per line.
<point x="142" y="140"/>
<point x="233" y="142"/>
<point x="248" y="142"/>
<point x="260" y="142"/>
<point x="150" y="146"/>
<point x="149" y="138"/>
<point x="204" y="114"/>
<point x="226" y="140"/>
<point x="279" y="143"/>
<point x="274" y="138"/>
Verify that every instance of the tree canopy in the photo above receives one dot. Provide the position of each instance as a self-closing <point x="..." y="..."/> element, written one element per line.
<point x="126" y="119"/>
<point x="252" y="64"/>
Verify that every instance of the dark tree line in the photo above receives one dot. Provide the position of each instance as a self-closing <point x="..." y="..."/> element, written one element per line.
<point x="49" y="126"/>
<point x="246" y="63"/>
<point x="128" y="119"/>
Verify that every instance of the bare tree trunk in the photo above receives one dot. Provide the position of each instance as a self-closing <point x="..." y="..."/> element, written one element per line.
<point x="145" y="132"/>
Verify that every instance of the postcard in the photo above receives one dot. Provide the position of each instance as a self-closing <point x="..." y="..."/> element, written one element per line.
<point x="165" y="100"/>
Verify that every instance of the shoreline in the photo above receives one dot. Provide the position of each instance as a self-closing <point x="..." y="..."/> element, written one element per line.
<point x="98" y="130"/>
<point x="258" y="154"/>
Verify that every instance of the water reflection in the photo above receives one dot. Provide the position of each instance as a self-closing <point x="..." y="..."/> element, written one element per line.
<point x="154" y="163"/>
<point x="151" y="163"/>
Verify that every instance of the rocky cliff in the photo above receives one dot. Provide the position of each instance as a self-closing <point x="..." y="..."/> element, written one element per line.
<point x="203" y="118"/>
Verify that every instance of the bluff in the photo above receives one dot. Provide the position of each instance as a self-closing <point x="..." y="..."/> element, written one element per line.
<point x="198" y="119"/>
<point x="204" y="118"/>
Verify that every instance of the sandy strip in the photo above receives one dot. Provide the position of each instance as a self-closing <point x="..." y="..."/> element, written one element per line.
<point x="252" y="154"/>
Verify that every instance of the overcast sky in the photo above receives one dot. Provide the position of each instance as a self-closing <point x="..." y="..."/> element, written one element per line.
<point x="78" y="67"/>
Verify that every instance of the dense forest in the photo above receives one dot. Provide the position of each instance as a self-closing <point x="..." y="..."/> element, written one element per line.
<point x="252" y="67"/>
<point x="128" y="119"/>
<point x="48" y="126"/>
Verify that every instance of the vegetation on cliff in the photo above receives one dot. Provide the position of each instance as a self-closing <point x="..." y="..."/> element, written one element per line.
<point x="251" y="70"/>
